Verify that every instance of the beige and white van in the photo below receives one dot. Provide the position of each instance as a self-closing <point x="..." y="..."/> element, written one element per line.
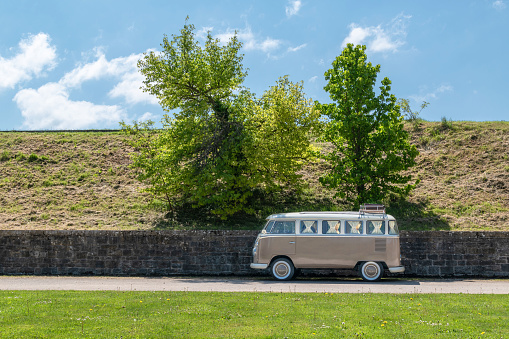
<point x="367" y="241"/>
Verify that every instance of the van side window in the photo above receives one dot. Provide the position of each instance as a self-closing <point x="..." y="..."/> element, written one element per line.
<point x="282" y="227"/>
<point x="331" y="226"/>
<point x="393" y="227"/>
<point x="353" y="227"/>
<point x="308" y="226"/>
<point x="375" y="227"/>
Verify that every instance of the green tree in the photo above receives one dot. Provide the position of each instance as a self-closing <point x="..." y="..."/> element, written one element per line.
<point x="280" y="124"/>
<point x="412" y="116"/>
<point x="371" y="147"/>
<point x="218" y="146"/>
<point x="404" y="104"/>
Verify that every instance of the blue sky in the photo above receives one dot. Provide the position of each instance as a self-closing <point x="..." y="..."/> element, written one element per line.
<point x="72" y="64"/>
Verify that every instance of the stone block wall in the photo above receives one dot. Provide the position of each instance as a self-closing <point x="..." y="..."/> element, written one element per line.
<point x="179" y="253"/>
<point x="453" y="254"/>
<point x="126" y="252"/>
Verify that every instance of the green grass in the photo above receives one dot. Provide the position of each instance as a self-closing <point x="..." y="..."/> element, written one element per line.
<point x="112" y="314"/>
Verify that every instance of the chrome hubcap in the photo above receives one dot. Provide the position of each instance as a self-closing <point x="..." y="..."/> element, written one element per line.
<point x="371" y="271"/>
<point x="281" y="269"/>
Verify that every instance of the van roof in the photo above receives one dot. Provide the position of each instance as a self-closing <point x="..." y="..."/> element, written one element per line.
<point x="330" y="215"/>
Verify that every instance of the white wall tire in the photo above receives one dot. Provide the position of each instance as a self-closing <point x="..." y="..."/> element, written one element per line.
<point x="282" y="269"/>
<point x="371" y="271"/>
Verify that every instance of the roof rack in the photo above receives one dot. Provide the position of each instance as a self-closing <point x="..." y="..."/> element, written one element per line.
<point x="372" y="209"/>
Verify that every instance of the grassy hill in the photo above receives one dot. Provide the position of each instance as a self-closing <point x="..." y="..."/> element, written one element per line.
<point x="82" y="180"/>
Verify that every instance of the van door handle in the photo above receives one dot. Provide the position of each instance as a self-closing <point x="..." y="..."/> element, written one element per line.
<point x="292" y="242"/>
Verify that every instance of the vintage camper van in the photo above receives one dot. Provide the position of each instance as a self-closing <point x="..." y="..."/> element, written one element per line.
<point x="367" y="241"/>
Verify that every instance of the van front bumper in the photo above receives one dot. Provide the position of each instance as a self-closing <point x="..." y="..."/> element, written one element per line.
<point x="259" y="266"/>
<point x="399" y="269"/>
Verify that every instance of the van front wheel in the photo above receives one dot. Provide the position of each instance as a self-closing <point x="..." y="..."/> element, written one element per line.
<point x="371" y="271"/>
<point x="282" y="269"/>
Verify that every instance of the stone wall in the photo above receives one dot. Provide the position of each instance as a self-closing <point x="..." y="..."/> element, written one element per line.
<point x="165" y="253"/>
<point x="446" y="254"/>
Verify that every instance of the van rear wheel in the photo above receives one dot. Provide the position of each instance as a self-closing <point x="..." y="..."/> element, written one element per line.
<point x="371" y="271"/>
<point x="282" y="269"/>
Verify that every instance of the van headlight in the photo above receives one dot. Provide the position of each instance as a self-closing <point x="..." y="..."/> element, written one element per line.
<point x="255" y="247"/>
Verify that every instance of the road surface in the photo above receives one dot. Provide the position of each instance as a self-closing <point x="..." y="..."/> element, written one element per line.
<point x="233" y="284"/>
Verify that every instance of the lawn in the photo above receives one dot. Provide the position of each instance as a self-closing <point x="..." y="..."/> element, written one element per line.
<point x="72" y="314"/>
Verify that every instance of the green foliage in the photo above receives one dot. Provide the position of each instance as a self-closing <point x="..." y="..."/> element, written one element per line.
<point x="222" y="143"/>
<point x="190" y="77"/>
<point x="33" y="157"/>
<point x="404" y="104"/>
<point x="279" y="126"/>
<point x="446" y="124"/>
<point x="412" y="116"/>
<point x="5" y="156"/>
<point x="20" y="156"/>
<point x="371" y="146"/>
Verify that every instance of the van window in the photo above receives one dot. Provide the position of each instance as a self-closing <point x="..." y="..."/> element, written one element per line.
<point x="393" y="227"/>
<point x="331" y="226"/>
<point x="308" y="226"/>
<point x="281" y="227"/>
<point x="375" y="227"/>
<point x="354" y="227"/>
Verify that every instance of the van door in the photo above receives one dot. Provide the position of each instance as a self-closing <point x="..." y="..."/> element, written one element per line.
<point x="309" y="245"/>
<point x="282" y="245"/>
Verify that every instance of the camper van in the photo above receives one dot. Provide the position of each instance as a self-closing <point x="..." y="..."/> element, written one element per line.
<point x="367" y="241"/>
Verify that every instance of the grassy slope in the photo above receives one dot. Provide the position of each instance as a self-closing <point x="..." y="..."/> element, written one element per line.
<point x="82" y="181"/>
<point x="72" y="181"/>
<point x="464" y="172"/>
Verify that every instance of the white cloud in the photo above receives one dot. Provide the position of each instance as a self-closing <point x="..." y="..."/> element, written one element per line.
<point x="202" y="33"/>
<point x="357" y="35"/>
<point x="250" y="41"/>
<point x="89" y="71"/>
<point x="35" y="56"/>
<point x="49" y="107"/>
<point x="295" y="49"/>
<point x="123" y="68"/>
<point x="387" y="38"/>
<point x="426" y="95"/>
<point x="313" y="79"/>
<point x="129" y="89"/>
<point x="267" y="45"/>
<point x="147" y="116"/>
<point x="499" y="5"/>
<point x="293" y="7"/>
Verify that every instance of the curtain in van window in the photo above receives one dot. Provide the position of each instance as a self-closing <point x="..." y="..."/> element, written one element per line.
<point x="393" y="227"/>
<point x="353" y="227"/>
<point x="376" y="227"/>
<point x="308" y="226"/>
<point x="331" y="226"/>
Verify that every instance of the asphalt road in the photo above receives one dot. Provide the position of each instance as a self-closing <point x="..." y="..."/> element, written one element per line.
<point x="207" y="284"/>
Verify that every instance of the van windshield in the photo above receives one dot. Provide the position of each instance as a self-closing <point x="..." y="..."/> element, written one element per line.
<point x="280" y="227"/>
